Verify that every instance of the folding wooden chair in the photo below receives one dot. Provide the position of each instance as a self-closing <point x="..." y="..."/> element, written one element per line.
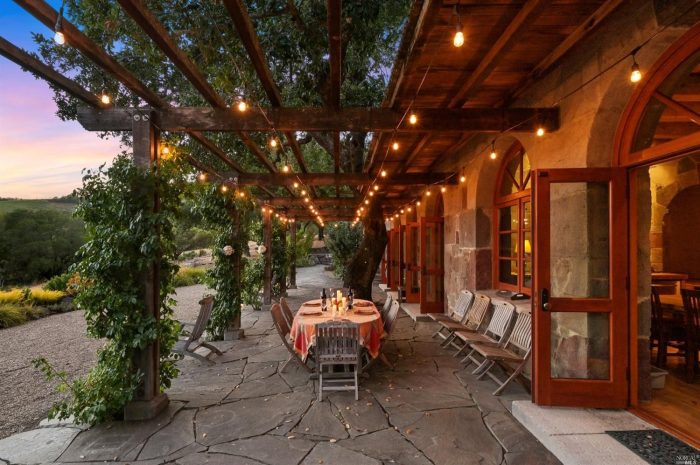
<point x="188" y="346"/>
<point x="495" y="334"/>
<point x="459" y="313"/>
<point x="283" y="329"/>
<point x="473" y="320"/>
<point x="338" y="343"/>
<point x="516" y="350"/>
<point x="388" y="323"/>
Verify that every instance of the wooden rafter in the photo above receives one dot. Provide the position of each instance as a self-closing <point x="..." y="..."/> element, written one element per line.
<point x="567" y="44"/>
<point x="416" y="149"/>
<point x="47" y="15"/>
<point x="327" y="119"/>
<point x="239" y="15"/>
<point x="513" y="32"/>
<point x="347" y="179"/>
<point x="29" y="63"/>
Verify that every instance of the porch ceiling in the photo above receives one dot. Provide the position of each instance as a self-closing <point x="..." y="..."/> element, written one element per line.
<point x="508" y="46"/>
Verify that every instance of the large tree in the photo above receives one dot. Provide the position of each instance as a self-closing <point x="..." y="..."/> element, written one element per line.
<point x="294" y="37"/>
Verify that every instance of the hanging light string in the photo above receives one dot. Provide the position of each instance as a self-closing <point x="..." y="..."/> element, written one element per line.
<point x="622" y="58"/>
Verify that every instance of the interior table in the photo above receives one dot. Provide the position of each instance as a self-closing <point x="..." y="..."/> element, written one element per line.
<point x="365" y="314"/>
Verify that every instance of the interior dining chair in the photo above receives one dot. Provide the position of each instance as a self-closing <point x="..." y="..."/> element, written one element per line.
<point x="691" y="304"/>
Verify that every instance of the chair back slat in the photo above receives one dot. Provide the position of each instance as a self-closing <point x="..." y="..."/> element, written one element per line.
<point x="521" y="336"/>
<point x="478" y="310"/>
<point x="691" y="303"/>
<point x="391" y="317"/>
<point x="207" y="304"/>
<point x="280" y="321"/>
<point x="287" y="312"/>
<point x="500" y="320"/>
<point x="464" y="303"/>
<point x="386" y="307"/>
<point x="337" y="341"/>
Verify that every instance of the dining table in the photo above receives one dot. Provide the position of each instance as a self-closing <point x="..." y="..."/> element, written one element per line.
<point x="364" y="313"/>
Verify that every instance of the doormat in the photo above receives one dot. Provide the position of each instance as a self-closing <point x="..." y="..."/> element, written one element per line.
<point x="657" y="447"/>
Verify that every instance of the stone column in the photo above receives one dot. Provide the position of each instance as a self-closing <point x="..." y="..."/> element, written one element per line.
<point x="267" y="242"/>
<point x="148" y="400"/>
<point x="293" y="264"/>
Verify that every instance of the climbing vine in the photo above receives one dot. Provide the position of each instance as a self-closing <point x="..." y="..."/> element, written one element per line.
<point x="125" y="238"/>
<point x="229" y="216"/>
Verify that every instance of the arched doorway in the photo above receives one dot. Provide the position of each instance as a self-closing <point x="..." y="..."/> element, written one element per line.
<point x="658" y="141"/>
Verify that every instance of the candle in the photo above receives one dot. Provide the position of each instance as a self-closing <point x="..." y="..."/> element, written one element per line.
<point x="339" y="295"/>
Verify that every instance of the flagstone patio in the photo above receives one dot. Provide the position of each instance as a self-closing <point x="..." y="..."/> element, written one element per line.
<point x="243" y="410"/>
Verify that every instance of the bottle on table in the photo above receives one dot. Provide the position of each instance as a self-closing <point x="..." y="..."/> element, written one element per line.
<point x="350" y="298"/>
<point x="323" y="299"/>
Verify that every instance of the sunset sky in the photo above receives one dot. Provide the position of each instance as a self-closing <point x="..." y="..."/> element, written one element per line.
<point x="40" y="155"/>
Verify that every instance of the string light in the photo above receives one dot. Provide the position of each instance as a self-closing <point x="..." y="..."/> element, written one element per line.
<point x="635" y="73"/>
<point x="417" y="203"/>
<point x="540" y="131"/>
<point x="413" y="119"/>
<point x="382" y="174"/>
<point x="165" y="150"/>
<point x="105" y="98"/>
<point x="395" y="145"/>
<point x="58" y="37"/>
<point x="408" y="209"/>
<point x="458" y="39"/>
<point x="273" y="142"/>
<point x="242" y="106"/>
<point x="376" y="188"/>
<point x="366" y="202"/>
<point x="296" y="185"/>
<point x="493" y="150"/>
<point x="306" y="199"/>
<point x="202" y="177"/>
<point x="285" y="168"/>
<point x="241" y="194"/>
<point x="303" y="192"/>
<point x="371" y="193"/>
<point x="427" y="193"/>
<point x="224" y="188"/>
<point x="402" y="211"/>
<point x="443" y="189"/>
<point x="463" y="179"/>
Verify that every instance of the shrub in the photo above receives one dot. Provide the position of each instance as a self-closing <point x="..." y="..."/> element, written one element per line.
<point x="46" y="297"/>
<point x="13" y="314"/>
<point x="189" y="276"/>
<point x="252" y="281"/>
<point x="190" y="254"/>
<point x="58" y="282"/>
<point x="14" y="296"/>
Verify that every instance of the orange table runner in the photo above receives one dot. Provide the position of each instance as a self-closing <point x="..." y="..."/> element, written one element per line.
<point x="303" y="331"/>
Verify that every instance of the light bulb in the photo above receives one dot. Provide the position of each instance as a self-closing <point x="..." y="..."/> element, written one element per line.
<point x="427" y="193"/>
<point x="371" y="193"/>
<point x="636" y="74"/>
<point x="408" y="209"/>
<point x="413" y="119"/>
<point x="493" y="155"/>
<point x="273" y="143"/>
<point x="59" y="38"/>
<point x="462" y="179"/>
<point x="263" y="209"/>
<point x="224" y="188"/>
<point x="366" y="202"/>
<point x="242" y="106"/>
<point x="443" y="189"/>
<point x="395" y="146"/>
<point x="417" y="203"/>
<point x="105" y="99"/>
<point x="306" y="199"/>
<point x="540" y="131"/>
<point x="303" y="192"/>
<point x="383" y="174"/>
<point x="296" y="184"/>
<point x="241" y="194"/>
<point x="458" y="39"/>
<point x="402" y="211"/>
<point x="285" y="169"/>
<point x="165" y="150"/>
<point x="376" y="188"/>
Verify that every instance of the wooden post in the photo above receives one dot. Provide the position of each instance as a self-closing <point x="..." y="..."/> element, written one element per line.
<point x="234" y="330"/>
<point x="283" y="278"/>
<point x="267" y="242"/>
<point x="293" y="258"/>
<point x="148" y="401"/>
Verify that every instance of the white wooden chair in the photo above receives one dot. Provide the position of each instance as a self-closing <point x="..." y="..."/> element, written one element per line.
<point x="517" y="350"/>
<point x="188" y="346"/>
<point x="459" y="313"/>
<point x="387" y="305"/>
<point x="338" y="343"/>
<point x="495" y="334"/>
<point x="473" y="320"/>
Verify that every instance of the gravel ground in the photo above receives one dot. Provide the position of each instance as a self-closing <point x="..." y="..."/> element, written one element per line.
<point x="25" y="396"/>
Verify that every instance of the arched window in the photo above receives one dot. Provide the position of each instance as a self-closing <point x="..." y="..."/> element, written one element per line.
<point x="513" y="233"/>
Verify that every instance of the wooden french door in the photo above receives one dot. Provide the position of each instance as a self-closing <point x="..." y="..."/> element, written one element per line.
<point x="431" y="265"/>
<point x="412" y="262"/>
<point x="395" y="258"/>
<point x="580" y="343"/>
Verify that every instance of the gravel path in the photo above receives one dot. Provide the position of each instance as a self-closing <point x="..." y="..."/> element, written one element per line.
<point x="25" y="396"/>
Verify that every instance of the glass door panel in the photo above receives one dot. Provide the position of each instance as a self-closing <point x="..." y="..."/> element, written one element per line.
<point x="412" y="249"/>
<point x="579" y="306"/>
<point x="431" y="289"/>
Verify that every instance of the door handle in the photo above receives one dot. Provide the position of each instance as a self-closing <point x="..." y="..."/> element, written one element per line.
<point x="544" y="299"/>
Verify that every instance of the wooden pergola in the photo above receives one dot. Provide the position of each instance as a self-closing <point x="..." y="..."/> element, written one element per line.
<point x="456" y="93"/>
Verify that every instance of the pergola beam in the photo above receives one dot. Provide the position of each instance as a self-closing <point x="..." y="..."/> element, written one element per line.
<point x="327" y="119"/>
<point x="342" y="179"/>
<point x="29" y="63"/>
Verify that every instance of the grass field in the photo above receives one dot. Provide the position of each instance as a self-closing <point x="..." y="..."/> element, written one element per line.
<point x="34" y="204"/>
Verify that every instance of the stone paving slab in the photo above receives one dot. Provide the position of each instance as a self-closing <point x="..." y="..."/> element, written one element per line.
<point x="245" y="411"/>
<point x="37" y="446"/>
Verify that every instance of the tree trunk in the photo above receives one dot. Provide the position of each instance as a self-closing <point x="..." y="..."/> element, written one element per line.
<point x="363" y="267"/>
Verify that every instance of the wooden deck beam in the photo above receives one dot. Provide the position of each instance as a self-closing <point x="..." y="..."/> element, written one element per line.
<point x="342" y="179"/>
<point x="326" y="119"/>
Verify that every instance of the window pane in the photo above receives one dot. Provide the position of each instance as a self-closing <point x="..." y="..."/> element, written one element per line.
<point x="580" y="230"/>
<point x="509" y="219"/>
<point x="507" y="245"/>
<point x="508" y="271"/>
<point x="527" y="249"/>
<point x="527" y="279"/>
<point x="580" y="345"/>
<point x="526" y="165"/>
<point x="527" y="215"/>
